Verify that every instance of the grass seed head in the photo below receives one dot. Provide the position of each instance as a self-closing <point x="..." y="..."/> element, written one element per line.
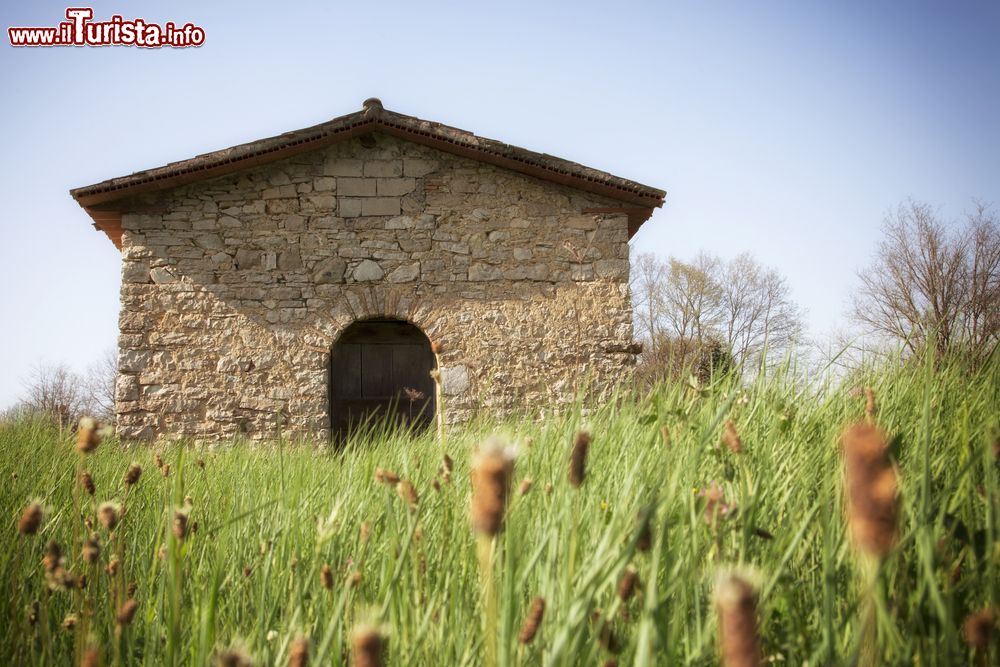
<point x="869" y="404"/>
<point x="871" y="488"/>
<point x="180" y="525"/>
<point x="492" y="469"/>
<point x="532" y="622"/>
<point x="108" y="514"/>
<point x="69" y="622"/>
<point x="386" y="477"/>
<point x="31" y="519"/>
<point x="158" y="460"/>
<point x="233" y="657"/>
<point x="326" y="577"/>
<point x="732" y="438"/>
<point x="407" y="493"/>
<point x="53" y="556"/>
<point x="132" y="475"/>
<point x="627" y="584"/>
<point x="87" y="435"/>
<point x="665" y="435"/>
<point x="525" y="486"/>
<point x="87" y="482"/>
<point x="355" y="579"/>
<point x="436" y="347"/>
<point x="364" y="532"/>
<point x="132" y="588"/>
<point x="578" y="459"/>
<point x="736" y="603"/>
<point x="126" y="612"/>
<point x="112" y="566"/>
<point x="165" y="470"/>
<point x="979" y="627"/>
<point x="91" y="551"/>
<point x="298" y="654"/>
<point x="644" y="540"/>
<point x="368" y="646"/>
<point x="91" y="657"/>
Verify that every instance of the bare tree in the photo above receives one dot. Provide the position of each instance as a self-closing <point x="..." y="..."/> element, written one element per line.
<point x="56" y="391"/>
<point x="934" y="281"/>
<point x="648" y="276"/>
<point x="725" y="310"/>
<point x="758" y="310"/>
<point x="100" y="386"/>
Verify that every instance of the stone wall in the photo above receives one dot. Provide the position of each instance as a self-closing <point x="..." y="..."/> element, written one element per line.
<point x="234" y="289"/>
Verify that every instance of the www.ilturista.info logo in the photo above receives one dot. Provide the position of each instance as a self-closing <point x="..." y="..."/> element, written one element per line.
<point x="79" y="30"/>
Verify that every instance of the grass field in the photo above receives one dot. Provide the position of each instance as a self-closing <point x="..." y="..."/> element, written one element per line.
<point x="260" y="524"/>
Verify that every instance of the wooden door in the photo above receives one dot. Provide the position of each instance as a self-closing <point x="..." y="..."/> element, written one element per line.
<point x="380" y="369"/>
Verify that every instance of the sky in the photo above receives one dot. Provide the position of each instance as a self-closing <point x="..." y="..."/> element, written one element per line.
<point x="786" y="129"/>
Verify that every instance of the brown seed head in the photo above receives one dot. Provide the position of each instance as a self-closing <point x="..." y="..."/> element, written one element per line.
<point x="364" y="532"/>
<point x="91" y="550"/>
<point x="158" y="460"/>
<point x="69" y="622"/>
<point x="627" y="584"/>
<point x="87" y="435"/>
<point x="201" y="463"/>
<point x="447" y="465"/>
<point x="298" y="654"/>
<point x="525" y="486"/>
<point x="180" y="527"/>
<point x="386" y="477"/>
<point x="870" y="404"/>
<point x="33" y="610"/>
<point x="355" y="579"/>
<point x="736" y="603"/>
<point x="492" y="469"/>
<point x="31" y="519"/>
<point x="91" y="658"/>
<point x="247" y="571"/>
<point x="165" y="470"/>
<point x="436" y="347"/>
<point x="112" y="566"/>
<point x="126" y="612"/>
<point x="870" y="480"/>
<point x="87" y="482"/>
<point x="132" y="587"/>
<point x="578" y="459"/>
<point x="368" y="646"/>
<point x="715" y="502"/>
<point x="53" y="556"/>
<point x="233" y="657"/>
<point x="107" y="513"/>
<point x="408" y="493"/>
<point x="665" y="435"/>
<point x="644" y="541"/>
<point x="326" y="577"/>
<point x="133" y="474"/>
<point x="532" y="622"/>
<point x="978" y="628"/>
<point x="732" y="438"/>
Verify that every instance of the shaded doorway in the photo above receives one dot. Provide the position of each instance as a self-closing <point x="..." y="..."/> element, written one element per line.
<point x="380" y="370"/>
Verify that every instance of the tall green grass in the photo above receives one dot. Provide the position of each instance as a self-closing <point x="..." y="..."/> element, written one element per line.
<point x="269" y="517"/>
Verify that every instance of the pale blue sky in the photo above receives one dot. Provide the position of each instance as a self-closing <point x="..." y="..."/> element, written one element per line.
<point x="782" y="128"/>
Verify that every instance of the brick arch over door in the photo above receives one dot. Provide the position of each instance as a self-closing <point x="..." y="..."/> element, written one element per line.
<point x="380" y="370"/>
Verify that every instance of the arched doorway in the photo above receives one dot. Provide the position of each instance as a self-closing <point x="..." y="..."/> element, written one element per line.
<point x="380" y="369"/>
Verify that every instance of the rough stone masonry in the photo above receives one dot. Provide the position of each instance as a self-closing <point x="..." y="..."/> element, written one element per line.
<point x="240" y="268"/>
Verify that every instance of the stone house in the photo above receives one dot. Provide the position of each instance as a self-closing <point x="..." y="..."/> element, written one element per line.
<point x="293" y="285"/>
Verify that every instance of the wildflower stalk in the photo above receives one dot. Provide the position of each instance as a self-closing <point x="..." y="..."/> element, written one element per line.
<point x="486" y="551"/>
